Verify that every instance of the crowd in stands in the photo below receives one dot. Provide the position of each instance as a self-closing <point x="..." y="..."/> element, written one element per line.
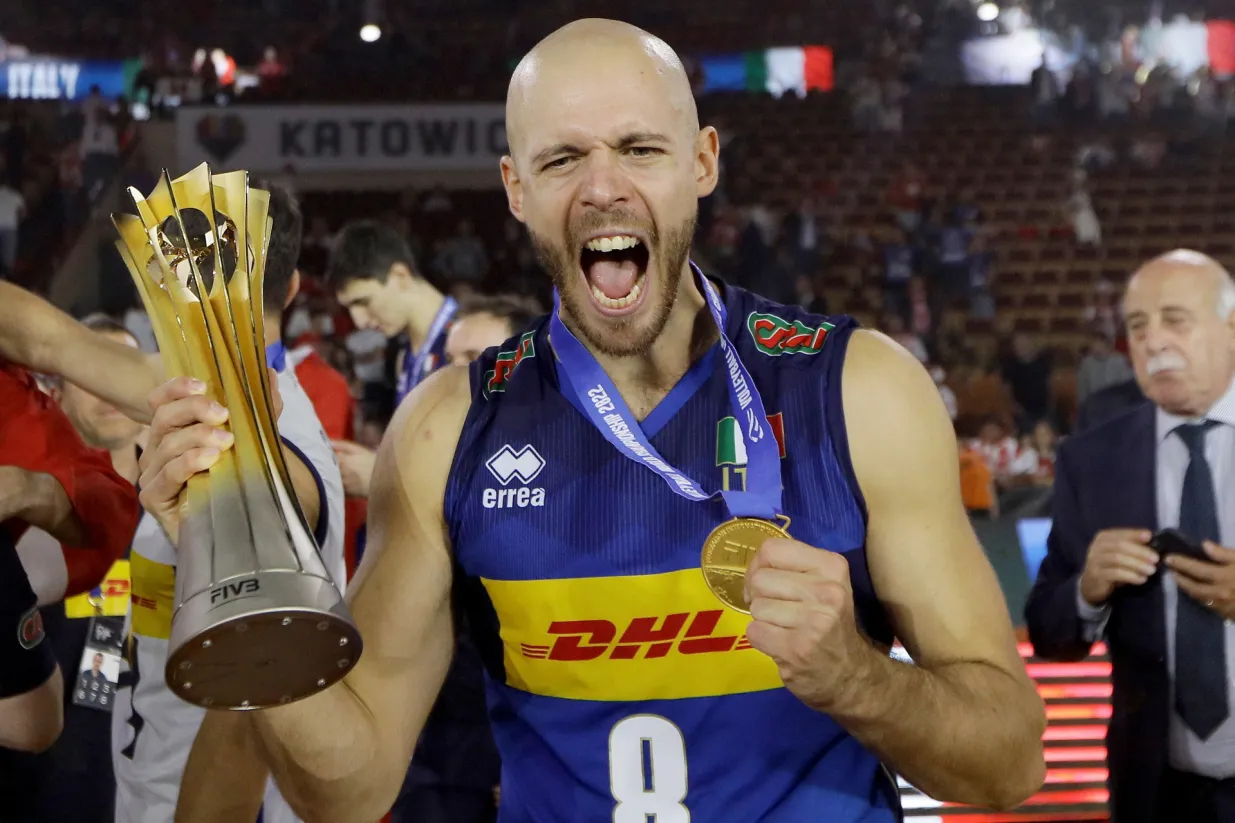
<point x="913" y="251"/>
<point x="55" y="161"/>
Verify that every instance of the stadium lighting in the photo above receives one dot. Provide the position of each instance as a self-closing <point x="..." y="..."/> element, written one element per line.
<point x="370" y="33"/>
<point x="988" y="12"/>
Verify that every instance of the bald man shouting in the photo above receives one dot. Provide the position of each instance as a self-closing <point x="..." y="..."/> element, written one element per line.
<point x="1163" y="600"/>
<point x="682" y="523"/>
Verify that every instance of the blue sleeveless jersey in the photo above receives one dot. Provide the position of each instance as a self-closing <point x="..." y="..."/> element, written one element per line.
<point x="619" y="687"/>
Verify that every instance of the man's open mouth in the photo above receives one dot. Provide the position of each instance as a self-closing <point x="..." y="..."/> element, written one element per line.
<point x="615" y="266"/>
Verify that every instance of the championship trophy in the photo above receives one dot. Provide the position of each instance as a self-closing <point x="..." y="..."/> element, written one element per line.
<point x="258" y="620"/>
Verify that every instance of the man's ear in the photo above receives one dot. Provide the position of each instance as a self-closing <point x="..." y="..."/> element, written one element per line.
<point x="293" y="288"/>
<point x="707" y="161"/>
<point x="400" y="275"/>
<point x="514" y="187"/>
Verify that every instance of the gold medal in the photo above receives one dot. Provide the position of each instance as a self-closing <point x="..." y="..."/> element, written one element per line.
<point x="728" y="552"/>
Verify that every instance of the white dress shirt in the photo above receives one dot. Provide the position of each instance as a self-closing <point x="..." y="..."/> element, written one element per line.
<point x="1214" y="757"/>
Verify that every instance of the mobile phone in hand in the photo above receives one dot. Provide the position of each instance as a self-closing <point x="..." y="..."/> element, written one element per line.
<point x="1173" y="541"/>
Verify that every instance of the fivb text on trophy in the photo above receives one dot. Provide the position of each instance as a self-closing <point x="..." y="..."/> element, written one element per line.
<point x="258" y="620"/>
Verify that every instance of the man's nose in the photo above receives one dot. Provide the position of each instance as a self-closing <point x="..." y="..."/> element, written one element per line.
<point x="1156" y="338"/>
<point x="605" y="183"/>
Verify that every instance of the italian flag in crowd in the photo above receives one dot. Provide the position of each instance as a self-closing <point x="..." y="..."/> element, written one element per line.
<point x="796" y="69"/>
<point x="731" y="444"/>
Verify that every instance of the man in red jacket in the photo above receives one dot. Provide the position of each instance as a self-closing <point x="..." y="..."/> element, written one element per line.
<point x="48" y="479"/>
<point x="332" y="399"/>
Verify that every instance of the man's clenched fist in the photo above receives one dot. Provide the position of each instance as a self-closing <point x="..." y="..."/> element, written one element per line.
<point x="801" y="603"/>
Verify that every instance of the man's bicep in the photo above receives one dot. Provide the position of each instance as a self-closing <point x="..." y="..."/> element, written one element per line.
<point x="926" y="564"/>
<point x="400" y="597"/>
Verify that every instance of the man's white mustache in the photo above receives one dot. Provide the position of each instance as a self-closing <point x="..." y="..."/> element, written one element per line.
<point x="1165" y="362"/>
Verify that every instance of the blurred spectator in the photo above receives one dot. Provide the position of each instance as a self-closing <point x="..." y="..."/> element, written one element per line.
<point x="1102" y="311"/>
<point x="922" y="311"/>
<point x="803" y="236"/>
<point x="977" y="482"/>
<point x="1101" y="366"/>
<point x="954" y="273"/>
<point x="984" y="395"/>
<point x="100" y="146"/>
<point x="437" y="201"/>
<point x="12" y="211"/>
<point x="1027" y="370"/>
<point x="137" y="323"/>
<point x="1147" y="152"/>
<point x="894" y="327"/>
<point x="1096" y="155"/>
<point x="224" y="68"/>
<point x="898" y="269"/>
<point x="462" y="258"/>
<point x="1046" y="94"/>
<point x="997" y="446"/>
<point x="368" y="349"/>
<point x="16" y="137"/>
<point x="808" y="297"/>
<point x="1034" y="464"/>
<point x="482" y="322"/>
<point x="905" y="195"/>
<point x="1083" y="218"/>
<point x="945" y="391"/>
<point x="981" y="302"/>
<point x="271" y="72"/>
<point x="315" y="250"/>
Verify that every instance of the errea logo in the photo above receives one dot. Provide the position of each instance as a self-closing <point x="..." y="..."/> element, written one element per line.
<point x="511" y="464"/>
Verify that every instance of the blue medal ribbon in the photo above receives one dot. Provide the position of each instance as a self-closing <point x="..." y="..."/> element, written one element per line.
<point x="609" y="413"/>
<point x="276" y="356"/>
<point x="414" y="364"/>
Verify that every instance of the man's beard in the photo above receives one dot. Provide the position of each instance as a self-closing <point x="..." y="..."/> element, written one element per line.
<point x="621" y="336"/>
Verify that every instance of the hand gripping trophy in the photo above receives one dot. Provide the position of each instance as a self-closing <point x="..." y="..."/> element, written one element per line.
<point x="258" y="620"/>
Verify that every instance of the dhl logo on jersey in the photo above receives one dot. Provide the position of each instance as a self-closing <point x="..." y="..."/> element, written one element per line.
<point x="108" y="599"/>
<point x="154" y="597"/>
<point x="644" y="637"/>
<point x="653" y="636"/>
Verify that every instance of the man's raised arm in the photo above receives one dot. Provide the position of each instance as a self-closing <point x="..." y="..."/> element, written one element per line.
<point x="341" y="755"/>
<point x="37" y="335"/>
<point x="965" y="723"/>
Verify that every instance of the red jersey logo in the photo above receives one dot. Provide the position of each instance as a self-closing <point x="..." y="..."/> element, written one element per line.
<point x="30" y="629"/>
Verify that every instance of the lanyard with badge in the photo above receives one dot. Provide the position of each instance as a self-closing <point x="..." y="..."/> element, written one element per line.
<point x="730" y="548"/>
<point x="415" y="365"/>
<point x="105" y="607"/>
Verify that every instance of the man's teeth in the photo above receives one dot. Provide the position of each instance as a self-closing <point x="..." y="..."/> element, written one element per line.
<point x="619" y="302"/>
<point x="617" y="243"/>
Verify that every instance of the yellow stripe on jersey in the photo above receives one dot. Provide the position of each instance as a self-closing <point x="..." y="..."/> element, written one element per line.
<point x="113" y="599"/>
<point x="647" y="637"/>
<point x="154" y="597"/>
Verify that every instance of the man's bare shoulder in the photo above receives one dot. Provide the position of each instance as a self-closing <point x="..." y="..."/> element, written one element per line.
<point x="425" y="429"/>
<point x="893" y="410"/>
<point x="879" y="370"/>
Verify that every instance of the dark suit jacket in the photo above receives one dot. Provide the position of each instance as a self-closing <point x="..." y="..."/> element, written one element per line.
<point x="1107" y="404"/>
<point x="1105" y="479"/>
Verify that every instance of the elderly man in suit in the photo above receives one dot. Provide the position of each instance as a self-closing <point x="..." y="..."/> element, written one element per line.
<point x="1167" y="620"/>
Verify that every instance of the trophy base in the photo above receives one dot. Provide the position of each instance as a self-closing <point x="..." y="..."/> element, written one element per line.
<point x="267" y="639"/>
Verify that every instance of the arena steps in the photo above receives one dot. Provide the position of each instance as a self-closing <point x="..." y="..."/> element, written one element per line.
<point x="1078" y="706"/>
